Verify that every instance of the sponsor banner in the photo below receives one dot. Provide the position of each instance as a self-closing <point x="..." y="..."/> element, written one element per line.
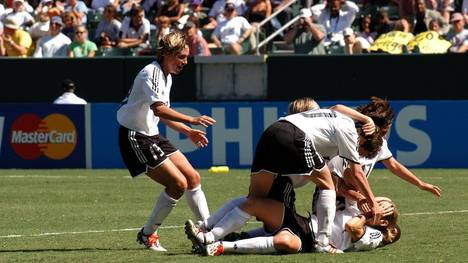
<point x="419" y="136"/>
<point x="42" y="136"/>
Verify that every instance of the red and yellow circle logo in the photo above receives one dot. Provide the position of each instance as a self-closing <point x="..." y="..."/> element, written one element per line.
<point x="53" y="136"/>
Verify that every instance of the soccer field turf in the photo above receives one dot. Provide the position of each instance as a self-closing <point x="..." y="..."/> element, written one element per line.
<point x="94" y="215"/>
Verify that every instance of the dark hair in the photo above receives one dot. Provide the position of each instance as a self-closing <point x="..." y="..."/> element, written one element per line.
<point x="68" y="85"/>
<point x="372" y="143"/>
<point x="380" y="112"/>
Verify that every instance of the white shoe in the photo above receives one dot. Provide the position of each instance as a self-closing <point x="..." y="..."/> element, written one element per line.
<point x="214" y="249"/>
<point x="327" y="249"/>
<point x="150" y="241"/>
<point x="195" y="234"/>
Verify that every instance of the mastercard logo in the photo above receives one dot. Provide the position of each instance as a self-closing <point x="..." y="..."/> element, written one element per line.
<point x="53" y="136"/>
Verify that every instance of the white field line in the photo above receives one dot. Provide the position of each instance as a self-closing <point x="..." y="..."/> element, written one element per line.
<point x="172" y="227"/>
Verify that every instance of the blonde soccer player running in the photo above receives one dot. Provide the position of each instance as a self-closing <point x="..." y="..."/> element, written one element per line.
<point x="144" y="150"/>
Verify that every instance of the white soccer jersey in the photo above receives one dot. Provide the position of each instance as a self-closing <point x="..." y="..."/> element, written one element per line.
<point x="149" y="86"/>
<point x="331" y="132"/>
<point x="338" y="164"/>
<point x="371" y="239"/>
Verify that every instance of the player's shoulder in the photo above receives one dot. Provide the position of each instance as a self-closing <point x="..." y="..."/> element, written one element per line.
<point x="152" y="69"/>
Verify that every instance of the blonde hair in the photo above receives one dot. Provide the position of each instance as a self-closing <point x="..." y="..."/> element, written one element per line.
<point x="302" y="104"/>
<point x="391" y="232"/>
<point x="172" y="43"/>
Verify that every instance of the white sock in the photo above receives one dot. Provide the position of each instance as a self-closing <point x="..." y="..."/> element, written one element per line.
<point x="226" y="208"/>
<point x="258" y="232"/>
<point x="161" y="210"/>
<point x="325" y="215"/>
<point x="231" y="222"/>
<point x="257" y="245"/>
<point x="197" y="202"/>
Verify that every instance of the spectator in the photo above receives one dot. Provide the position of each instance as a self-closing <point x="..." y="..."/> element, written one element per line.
<point x="164" y="27"/>
<point x="107" y="31"/>
<point x="435" y="25"/>
<point x="55" y="44"/>
<point x="100" y="5"/>
<point x="424" y="16"/>
<point x="14" y="42"/>
<point x="257" y="11"/>
<point x="197" y="44"/>
<point x="307" y="36"/>
<point x="135" y="30"/>
<point x="232" y="32"/>
<point x="444" y="7"/>
<point x="79" y="9"/>
<point x="366" y="29"/>
<point x="352" y="44"/>
<point x="173" y="10"/>
<point x="458" y="36"/>
<point x="41" y="27"/>
<point x="82" y="46"/>
<point x="335" y="16"/>
<point x="20" y="14"/>
<point x="216" y="14"/>
<point x="70" y="21"/>
<point x="68" y="96"/>
<point x="43" y="7"/>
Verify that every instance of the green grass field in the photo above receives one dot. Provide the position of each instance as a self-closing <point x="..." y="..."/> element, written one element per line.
<point x="93" y="216"/>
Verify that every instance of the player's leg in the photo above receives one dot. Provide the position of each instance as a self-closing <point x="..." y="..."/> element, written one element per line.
<point x="140" y="154"/>
<point x="326" y="206"/>
<point x="266" y="210"/>
<point x="260" y="183"/>
<point x="194" y="194"/>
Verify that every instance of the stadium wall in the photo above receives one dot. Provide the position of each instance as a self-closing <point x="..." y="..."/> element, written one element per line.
<point x="86" y="136"/>
<point x="282" y="78"/>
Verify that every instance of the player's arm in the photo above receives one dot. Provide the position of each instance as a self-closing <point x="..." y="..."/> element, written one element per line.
<point x="368" y="127"/>
<point x="347" y="192"/>
<point x="359" y="181"/>
<point x="198" y="137"/>
<point x="401" y="171"/>
<point x="355" y="227"/>
<point x="161" y="110"/>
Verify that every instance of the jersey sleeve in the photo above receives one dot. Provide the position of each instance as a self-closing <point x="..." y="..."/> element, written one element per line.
<point x="371" y="239"/>
<point x="152" y="84"/>
<point x="347" y="140"/>
<point x="337" y="165"/>
<point x="384" y="152"/>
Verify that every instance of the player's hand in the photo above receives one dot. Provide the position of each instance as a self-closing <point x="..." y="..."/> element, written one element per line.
<point x="364" y="207"/>
<point x="377" y="213"/>
<point x="369" y="127"/>
<point x="434" y="189"/>
<point x="387" y="208"/>
<point x="198" y="138"/>
<point x="203" y="120"/>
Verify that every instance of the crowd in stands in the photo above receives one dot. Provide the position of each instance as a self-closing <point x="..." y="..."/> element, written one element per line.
<point x="88" y="28"/>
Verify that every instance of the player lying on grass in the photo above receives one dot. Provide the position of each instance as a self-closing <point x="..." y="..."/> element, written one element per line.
<point x="293" y="233"/>
<point x="298" y="145"/>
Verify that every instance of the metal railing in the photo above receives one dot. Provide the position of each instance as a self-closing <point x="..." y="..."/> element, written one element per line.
<point x="278" y="31"/>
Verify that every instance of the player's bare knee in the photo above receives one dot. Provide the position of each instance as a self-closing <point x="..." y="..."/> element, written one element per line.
<point x="178" y="188"/>
<point x="287" y="243"/>
<point x="193" y="179"/>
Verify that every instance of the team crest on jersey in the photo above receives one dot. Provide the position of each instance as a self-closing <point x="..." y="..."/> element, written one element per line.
<point x="375" y="235"/>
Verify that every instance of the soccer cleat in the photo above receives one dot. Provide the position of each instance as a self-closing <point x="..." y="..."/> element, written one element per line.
<point x="150" y="241"/>
<point x="327" y="249"/>
<point x="214" y="249"/>
<point x="195" y="234"/>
